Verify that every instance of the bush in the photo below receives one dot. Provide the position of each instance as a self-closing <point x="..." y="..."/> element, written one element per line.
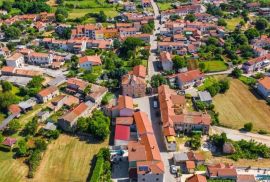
<point x="263" y="132"/>
<point x="248" y="126"/>
<point x="33" y="162"/>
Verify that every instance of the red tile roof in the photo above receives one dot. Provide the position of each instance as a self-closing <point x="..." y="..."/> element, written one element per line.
<point x="139" y="71"/>
<point x="190" y="76"/>
<point x="47" y="91"/>
<point x="95" y="60"/>
<point x="265" y="82"/>
<point x="14" y="109"/>
<point x="125" y="102"/>
<point x="9" y="141"/>
<point x="8" y="69"/>
<point x="190" y="165"/>
<point x="124" y="120"/>
<point x="122" y="132"/>
<point x="197" y="178"/>
<point x="246" y="178"/>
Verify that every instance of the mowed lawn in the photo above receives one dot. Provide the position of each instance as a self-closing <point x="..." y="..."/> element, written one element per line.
<point x="214" y="66"/>
<point x="239" y="106"/>
<point x="67" y="159"/>
<point x="77" y="13"/>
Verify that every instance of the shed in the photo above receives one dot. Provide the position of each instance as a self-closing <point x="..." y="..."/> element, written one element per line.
<point x="179" y="158"/>
<point x="50" y="126"/>
<point x="205" y="96"/>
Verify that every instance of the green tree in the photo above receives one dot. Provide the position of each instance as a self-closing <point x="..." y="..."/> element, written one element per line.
<point x="116" y="44"/>
<point x="222" y="22"/>
<point x="22" y="150"/>
<point x="237" y="72"/>
<point x="61" y="14"/>
<point x="6" y="86"/>
<point x="195" y="142"/>
<point x="7" y="5"/>
<point x="102" y="17"/>
<point x="82" y="124"/>
<point x="261" y="24"/>
<point x="224" y="85"/>
<point x="13" y="126"/>
<point x="6" y="99"/>
<point x="179" y="62"/>
<point x="190" y="17"/>
<point x="158" y="80"/>
<point x="31" y="127"/>
<point x="248" y="126"/>
<point x="1" y="137"/>
<point x="99" y="125"/>
<point x="146" y="29"/>
<point x="12" y="32"/>
<point x="252" y="33"/>
<point x="40" y="144"/>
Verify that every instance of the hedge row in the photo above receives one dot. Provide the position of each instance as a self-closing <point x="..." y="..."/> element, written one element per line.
<point x="98" y="170"/>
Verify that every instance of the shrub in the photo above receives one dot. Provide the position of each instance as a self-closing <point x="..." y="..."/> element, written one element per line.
<point x="33" y="162"/>
<point x="248" y="126"/>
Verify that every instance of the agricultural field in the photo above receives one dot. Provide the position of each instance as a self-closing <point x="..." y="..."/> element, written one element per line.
<point x="239" y="106"/>
<point x="74" y="157"/>
<point x="215" y="66"/>
<point x="11" y="169"/>
<point x="77" y="13"/>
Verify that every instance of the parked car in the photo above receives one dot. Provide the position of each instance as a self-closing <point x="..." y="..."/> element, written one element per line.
<point x="155" y="104"/>
<point x="173" y="169"/>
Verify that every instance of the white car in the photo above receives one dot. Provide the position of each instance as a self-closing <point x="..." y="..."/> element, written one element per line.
<point x="155" y="104"/>
<point x="173" y="169"/>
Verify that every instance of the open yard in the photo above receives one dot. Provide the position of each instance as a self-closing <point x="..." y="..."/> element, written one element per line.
<point x="232" y="23"/>
<point x="239" y="106"/>
<point x="77" y="13"/>
<point x="164" y="6"/>
<point x="67" y="159"/>
<point x="214" y="66"/>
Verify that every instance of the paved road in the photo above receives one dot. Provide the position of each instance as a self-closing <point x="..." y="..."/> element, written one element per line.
<point x="6" y="121"/>
<point x="145" y="105"/>
<point x="237" y="135"/>
<point x="152" y="60"/>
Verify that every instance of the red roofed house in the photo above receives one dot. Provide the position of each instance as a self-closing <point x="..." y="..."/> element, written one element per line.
<point x="190" y="166"/>
<point x="196" y="178"/>
<point x="189" y="79"/>
<point x="166" y="60"/>
<point x="75" y="85"/>
<point x="221" y="171"/>
<point x="145" y="163"/>
<point x="139" y="71"/>
<point x="68" y="121"/>
<point x="133" y="86"/>
<point x="87" y="62"/>
<point x="124" y="107"/>
<point x="256" y="63"/>
<point x="14" y="109"/>
<point x="246" y="178"/>
<point x="122" y="134"/>
<point x="9" y="142"/>
<point x="264" y="87"/>
<point x="16" y="60"/>
<point x="47" y="94"/>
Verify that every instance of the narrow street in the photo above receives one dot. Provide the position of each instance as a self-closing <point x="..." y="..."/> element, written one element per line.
<point x="152" y="60"/>
<point x="238" y="135"/>
<point x="145" y="104"/>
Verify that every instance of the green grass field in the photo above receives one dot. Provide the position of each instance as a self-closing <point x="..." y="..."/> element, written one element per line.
<point x="164" y="6"/>
<point x="214" y="66"/>
<point x="232" y="23"/>
<point x="77" y="13"/>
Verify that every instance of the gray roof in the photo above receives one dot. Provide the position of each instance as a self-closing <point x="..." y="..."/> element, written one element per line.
<point x="57" y="81"/>
<point x="28" y="103"/>
<point x="50" y="126"/>
<point x="205" y="96"/>
<point x="17" y="80"/>
<point x="178" y="157"/>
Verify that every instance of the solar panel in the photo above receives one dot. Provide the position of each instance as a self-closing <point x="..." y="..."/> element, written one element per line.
<point x="143" y="168"/>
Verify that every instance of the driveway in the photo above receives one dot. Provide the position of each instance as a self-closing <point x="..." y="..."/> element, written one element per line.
<point x="237" y="135"/>
<point x="145" y="104"/>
